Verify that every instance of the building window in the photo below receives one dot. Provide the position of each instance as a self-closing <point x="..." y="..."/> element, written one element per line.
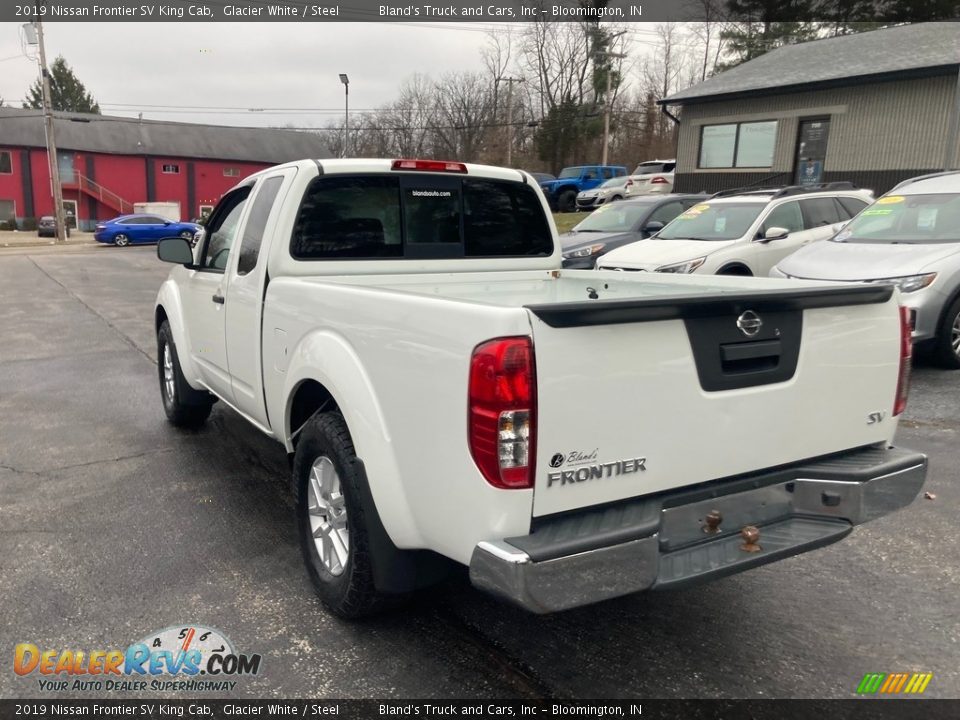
<point x="6" y="163"/>
<point x="171" y="169"/>
<point x="231" y="172"/>
<point x="738" y="145"/>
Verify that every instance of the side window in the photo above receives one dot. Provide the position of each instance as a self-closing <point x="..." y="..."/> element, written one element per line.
<point x="786" y="216"/>
<point x="256" y="224"/>
<point x="502" y="220"/>
<point x="669" y="167"/>
<point x="819" y="212"/>
<point x="607" y="173"/>
<point x="222" y="229"/>
<point x="348" y="217"/>
<point x="665" y="213"/>
<point x="589" y="175"/>
<point x="852" y="206"/>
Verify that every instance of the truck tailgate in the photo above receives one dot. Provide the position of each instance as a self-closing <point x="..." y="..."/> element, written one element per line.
<point x="645" y="395"/>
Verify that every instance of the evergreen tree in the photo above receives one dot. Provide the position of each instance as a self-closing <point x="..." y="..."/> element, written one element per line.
<point x="763" y="25"/>
<point x="67" y="93"/>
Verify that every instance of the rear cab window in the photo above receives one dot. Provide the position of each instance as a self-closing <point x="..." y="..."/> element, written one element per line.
<point x="418" y="215"/>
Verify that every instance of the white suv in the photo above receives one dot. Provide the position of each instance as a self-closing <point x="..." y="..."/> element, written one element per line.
<point x="742" y="232"/>
<point x="653" y="177"/>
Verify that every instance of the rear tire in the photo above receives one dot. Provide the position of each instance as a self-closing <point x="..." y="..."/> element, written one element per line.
<point x="567" y="201"/>
<point x="330" y="517"/>
<point x="184" y="406"/>
<point x="946" y="350"/>
<point x="121" y="240"/>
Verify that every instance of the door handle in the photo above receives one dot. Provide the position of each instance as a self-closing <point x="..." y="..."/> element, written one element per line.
<point x="218" y="299"/>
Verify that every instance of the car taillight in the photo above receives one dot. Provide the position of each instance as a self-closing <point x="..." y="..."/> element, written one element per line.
<point x="430" y="166"/>
<point x="502" y="415"/>
<point x="659" y="181"/>
<point x="906" y="354"/>
<point x="629" y="183"/>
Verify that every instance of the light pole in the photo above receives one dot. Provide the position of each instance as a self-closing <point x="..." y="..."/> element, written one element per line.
<point x="346" y="112"/>
<point x="606" y="99"/>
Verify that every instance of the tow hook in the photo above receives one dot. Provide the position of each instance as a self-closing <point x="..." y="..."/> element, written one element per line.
<point x="751" y="536"/>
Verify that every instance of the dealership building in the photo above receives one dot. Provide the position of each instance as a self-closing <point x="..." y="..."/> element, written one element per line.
<point x="872" y="108"/>
<point x="107" y="164"/>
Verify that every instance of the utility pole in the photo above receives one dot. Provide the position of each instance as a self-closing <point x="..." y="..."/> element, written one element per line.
<point x="61" y="228"/>
<point x="606" y="99"/>
<point x="510" y="81"/>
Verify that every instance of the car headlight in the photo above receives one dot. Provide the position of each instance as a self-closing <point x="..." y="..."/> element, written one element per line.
<point x="912" y="283"/>
<point x="684" y="268"/>
<point x="588" y="251"/>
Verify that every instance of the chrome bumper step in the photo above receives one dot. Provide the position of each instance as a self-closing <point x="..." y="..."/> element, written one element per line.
<point x="660" y="542"/>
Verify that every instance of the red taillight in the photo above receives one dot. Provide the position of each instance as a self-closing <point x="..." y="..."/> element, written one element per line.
<point x="906" y="353"/>
<point x="502" y="415"/>
<point x="629" y="183"/>
<point x="430" y="166"/>
<point x="659" y="180"/>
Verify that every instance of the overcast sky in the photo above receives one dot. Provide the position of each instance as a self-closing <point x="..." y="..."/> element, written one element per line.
<point x="247" y="65"/>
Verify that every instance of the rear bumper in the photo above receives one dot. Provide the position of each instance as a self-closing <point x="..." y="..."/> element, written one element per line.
<point x="660" y="542"/>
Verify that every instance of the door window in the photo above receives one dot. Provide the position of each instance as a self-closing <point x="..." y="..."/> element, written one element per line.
<point x="786" y="216"/>
<point x="811" y="151"/>
<point x="256" y="224"/>
<point x="222" y="230"/>
<point x="851" y="206"/>
<point x="819" y="212"/>
<point x="665" y="213"/>
<point x="607" y="173"/>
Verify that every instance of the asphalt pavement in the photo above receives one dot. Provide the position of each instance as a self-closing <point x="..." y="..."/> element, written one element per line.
<point x="114" y="525"/>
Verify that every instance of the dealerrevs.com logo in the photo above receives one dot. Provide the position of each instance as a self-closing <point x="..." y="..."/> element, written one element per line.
<point x="190" y="658"/>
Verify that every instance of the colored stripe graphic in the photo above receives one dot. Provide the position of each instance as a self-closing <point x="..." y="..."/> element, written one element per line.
<point x="894" y="683"/>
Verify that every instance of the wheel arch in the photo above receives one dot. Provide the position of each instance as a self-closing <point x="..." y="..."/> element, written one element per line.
<point x="326" y="374"/>
<point x="735" y="267"/>
<point x="169" y="307"/>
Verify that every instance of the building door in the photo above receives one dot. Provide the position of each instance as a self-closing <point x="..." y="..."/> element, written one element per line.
<point x="70" y="213"/>
<point x="811" y="150"/>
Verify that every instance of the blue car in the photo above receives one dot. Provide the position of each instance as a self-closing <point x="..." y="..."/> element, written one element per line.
<point x="135" y="229"/>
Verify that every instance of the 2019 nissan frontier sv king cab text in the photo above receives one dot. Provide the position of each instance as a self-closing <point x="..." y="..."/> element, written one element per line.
<point x="449" y="395"/>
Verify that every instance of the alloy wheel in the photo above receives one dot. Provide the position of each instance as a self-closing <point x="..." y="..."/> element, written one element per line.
<point x="328" y="516"/>
<point x="168" y="377"/>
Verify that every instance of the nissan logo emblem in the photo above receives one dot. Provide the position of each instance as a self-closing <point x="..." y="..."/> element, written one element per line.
<point x="749" y="323"/>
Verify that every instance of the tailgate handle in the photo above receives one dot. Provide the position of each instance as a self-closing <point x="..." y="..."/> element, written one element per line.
<point x="750" y="357"/>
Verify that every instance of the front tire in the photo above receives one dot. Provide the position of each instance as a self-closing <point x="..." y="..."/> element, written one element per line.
<point x="330" y="517"/>
<point x="184" y="406"/>
<point x="946" y="350"/>
<point x="567" y="201"/>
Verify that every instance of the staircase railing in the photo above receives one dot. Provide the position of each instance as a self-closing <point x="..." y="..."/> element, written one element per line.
<point x="107" y="197"/>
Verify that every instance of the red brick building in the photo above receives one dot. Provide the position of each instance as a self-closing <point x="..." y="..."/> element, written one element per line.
<point x="107" y="164"/>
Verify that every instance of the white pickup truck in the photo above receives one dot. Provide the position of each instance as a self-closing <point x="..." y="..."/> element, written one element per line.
<point x="448" y="394"/>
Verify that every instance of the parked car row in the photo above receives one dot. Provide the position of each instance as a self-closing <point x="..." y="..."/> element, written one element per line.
<point x="585" y="187"/>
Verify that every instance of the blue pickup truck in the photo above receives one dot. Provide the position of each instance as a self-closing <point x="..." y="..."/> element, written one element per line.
<point x="562" y="192"/>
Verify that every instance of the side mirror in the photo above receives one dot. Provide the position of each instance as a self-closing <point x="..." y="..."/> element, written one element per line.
<point x="175" y="250"/>
<point x="775" y="233"/>
<point x="654" y="226"/>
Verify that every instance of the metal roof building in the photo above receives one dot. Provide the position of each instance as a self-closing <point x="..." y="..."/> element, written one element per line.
<point x="109" y="163"/>
<point x="873" y="108"/>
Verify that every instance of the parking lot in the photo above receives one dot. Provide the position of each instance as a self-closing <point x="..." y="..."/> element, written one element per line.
<point x="113" y="524"/>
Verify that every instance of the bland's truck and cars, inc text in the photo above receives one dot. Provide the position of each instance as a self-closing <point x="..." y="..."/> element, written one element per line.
<point x="448" y="394"/>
